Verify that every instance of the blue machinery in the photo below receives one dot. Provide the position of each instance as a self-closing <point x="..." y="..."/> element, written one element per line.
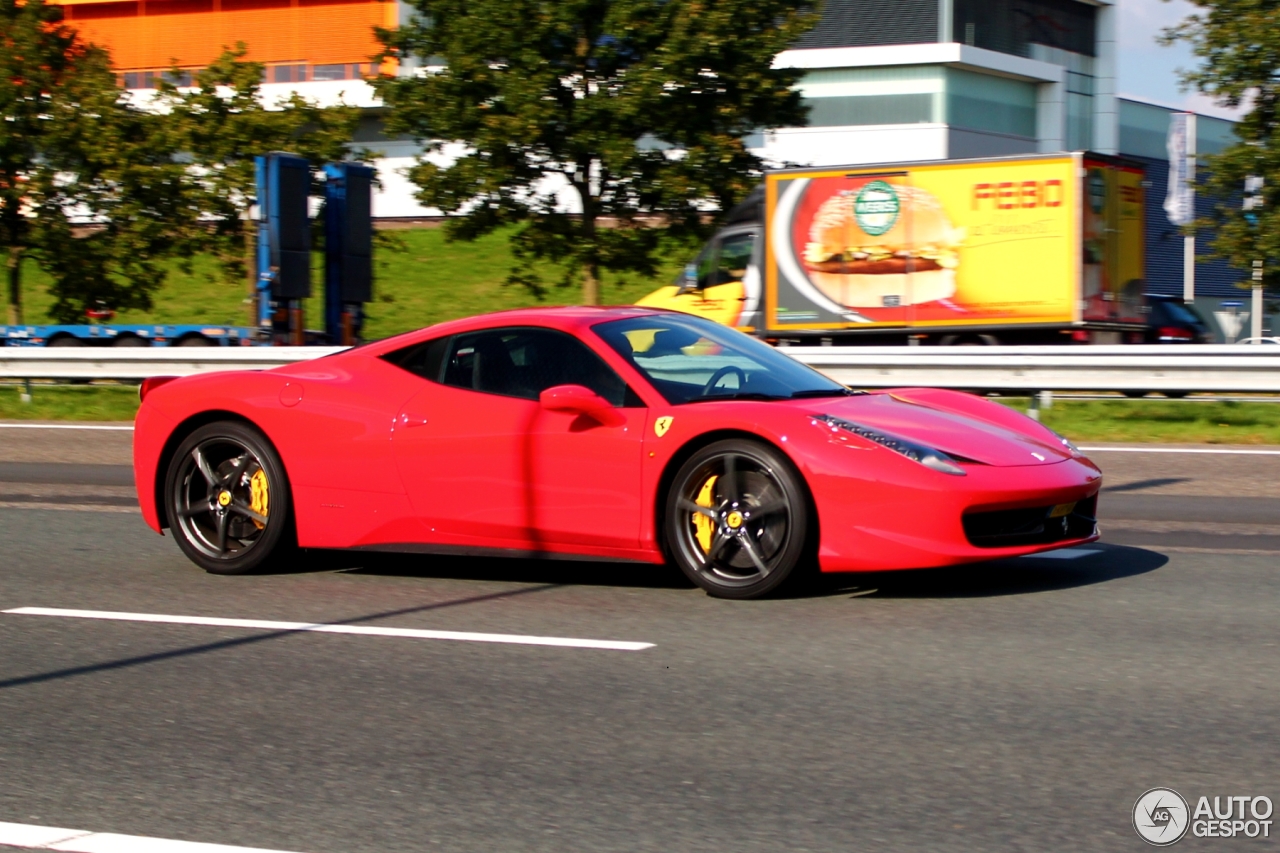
<point x="283" y="269"/>
<point x="284" y="248"/>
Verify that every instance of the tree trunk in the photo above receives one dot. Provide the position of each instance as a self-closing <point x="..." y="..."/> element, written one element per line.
<point x="590" y="269"/>
<point x="590" y="284"/>
<point x="15" y="285"/>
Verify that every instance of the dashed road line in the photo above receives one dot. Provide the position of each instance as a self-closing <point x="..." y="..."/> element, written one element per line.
<point x="35" y="837"/>
<point x="326" y="628"/>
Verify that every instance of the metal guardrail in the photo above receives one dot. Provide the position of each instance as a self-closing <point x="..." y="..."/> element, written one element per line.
<point x="1219" y="368"/>
<point x="133" y="364"/>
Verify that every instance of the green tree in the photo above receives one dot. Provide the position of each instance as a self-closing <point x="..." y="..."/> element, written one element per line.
<point x="87" y="188"/>
<point x="638" y="108"/>
<point x="1238" y="44"/>
<point x="221" y="123"/>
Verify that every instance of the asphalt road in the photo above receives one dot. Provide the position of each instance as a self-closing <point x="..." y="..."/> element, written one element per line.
<point x="1020" y="705"/>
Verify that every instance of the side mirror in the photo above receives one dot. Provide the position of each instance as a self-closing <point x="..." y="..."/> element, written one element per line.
<point x="689" y="282"/>
<point x="580" y="400"/>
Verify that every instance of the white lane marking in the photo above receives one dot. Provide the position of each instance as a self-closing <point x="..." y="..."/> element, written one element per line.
<point x="67" y="507"/>
<point x="81" y="841"/>
<point x="1064" y="554"/>
<point x="324" y="628"/>
<point x="1180" y="450"/>
<point x="66" y="426"/>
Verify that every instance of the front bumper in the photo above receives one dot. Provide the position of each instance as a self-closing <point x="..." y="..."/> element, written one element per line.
<point x="921" y="522"/>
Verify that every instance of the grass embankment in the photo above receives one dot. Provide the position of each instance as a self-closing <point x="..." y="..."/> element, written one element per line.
<point x="1156" y="421"/>
<point x="430" y="281"/>
<point x="70" y="403"/>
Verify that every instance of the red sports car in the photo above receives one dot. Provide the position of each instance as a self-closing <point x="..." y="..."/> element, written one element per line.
<point x="602" y="433"/>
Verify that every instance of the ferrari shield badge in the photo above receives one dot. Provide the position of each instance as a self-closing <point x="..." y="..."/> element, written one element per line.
<point x="661" y="425"/>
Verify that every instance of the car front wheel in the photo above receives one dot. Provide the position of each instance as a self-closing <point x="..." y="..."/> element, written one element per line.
<point x="737" y="519"/>
<point x="227" y="499"/>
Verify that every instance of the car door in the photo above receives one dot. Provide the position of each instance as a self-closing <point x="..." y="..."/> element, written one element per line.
<point x="585" y="473"/>
<point x="484" y="464"/>
<point x="458" y="444"/>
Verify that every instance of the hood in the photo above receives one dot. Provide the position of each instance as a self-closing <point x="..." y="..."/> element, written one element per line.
<point x="952" y="433"/>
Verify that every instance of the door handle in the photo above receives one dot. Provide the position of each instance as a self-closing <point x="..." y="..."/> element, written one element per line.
<point x="410" y="420"/>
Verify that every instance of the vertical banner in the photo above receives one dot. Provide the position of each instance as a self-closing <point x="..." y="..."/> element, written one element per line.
<point x="1179" y="204"/>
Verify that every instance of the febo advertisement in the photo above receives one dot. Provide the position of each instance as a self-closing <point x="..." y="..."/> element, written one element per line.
<point x="1112" y="237"/>
<point x="955" y="244"/>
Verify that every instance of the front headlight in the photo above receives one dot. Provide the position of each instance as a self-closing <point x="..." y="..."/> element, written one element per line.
<point x="1067" y="443"/>
<point x="916" y="452"/>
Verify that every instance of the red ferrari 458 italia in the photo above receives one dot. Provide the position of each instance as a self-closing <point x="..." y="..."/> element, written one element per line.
<point x="600" y="433"/>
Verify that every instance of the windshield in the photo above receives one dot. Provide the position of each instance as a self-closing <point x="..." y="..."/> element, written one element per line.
<point x="690" y="360"/>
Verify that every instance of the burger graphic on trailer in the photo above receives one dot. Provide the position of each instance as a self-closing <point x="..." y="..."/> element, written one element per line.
<point x="946" y="252"/>
<point x="864" y="251"/>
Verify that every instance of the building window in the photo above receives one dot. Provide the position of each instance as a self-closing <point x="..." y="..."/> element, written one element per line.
<point x="842" y="97"/>
<point x="1013" y="26"/>
<point x="289" y="74"/>
<point x="1079" y="122"/>
<point x="991" y="104"/>
<point x="329" y="72"/>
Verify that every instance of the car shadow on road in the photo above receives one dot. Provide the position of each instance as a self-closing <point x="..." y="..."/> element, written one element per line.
<point x="499" y="569"/>
<point x="1055" y="570"/>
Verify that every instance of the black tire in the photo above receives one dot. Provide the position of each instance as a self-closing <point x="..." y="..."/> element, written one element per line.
<point x="737" y="519"/>
<point x="65" y="341"/>
<point x="1176" y="395"/>
<point x="225" y="518"/>
<point x="1134" y="395"/>
<point x="195" y="341"/>
<point x="130" y="341"/>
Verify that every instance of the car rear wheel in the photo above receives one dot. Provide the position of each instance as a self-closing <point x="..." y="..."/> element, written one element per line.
<point x="737" y="519"/>
<point x="227" y="499"/>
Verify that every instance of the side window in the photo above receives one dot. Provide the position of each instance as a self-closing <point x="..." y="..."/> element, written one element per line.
<point x="734" y="258"/>
<point x="425" y="359"/>
<point x="525" y="362"/>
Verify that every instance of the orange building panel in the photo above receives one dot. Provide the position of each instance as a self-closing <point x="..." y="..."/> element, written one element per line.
<point x="159" y="33"/>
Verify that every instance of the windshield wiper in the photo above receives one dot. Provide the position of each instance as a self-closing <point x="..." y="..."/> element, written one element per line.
<point x="738" y="395"/>
<point x="826" y="392"/>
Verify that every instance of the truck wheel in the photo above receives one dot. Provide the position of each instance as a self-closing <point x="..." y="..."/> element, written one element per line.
<point x="195" y="341"/>
<point x="130" y="341"/>
<point x="65" y="341"/>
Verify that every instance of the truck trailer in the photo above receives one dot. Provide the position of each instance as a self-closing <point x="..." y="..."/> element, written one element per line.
<point x="1009" y="250"/>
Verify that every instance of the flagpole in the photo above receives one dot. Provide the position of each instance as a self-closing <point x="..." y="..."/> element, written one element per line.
<point x="1189" y="240"/>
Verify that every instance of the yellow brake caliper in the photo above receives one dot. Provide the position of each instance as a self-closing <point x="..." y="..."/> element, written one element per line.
<point x="258" y="495"/>
<point x="705" y="526"/>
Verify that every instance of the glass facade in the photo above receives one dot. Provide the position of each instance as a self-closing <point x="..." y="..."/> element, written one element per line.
<point x="1014" y="26"/>
<point x="1144" y="131"/>
<point x="841" y="97"/>
<point x="992" y="104"/>
<point x="918" y="94"/>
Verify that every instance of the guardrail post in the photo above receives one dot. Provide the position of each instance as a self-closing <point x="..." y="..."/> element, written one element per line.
<point x="1046" y="399"/>
<point x="1034" y="411"/>
<point x="25" y="394"/>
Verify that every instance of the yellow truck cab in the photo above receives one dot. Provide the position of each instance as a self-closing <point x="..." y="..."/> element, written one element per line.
<point x="723" y="283"/>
